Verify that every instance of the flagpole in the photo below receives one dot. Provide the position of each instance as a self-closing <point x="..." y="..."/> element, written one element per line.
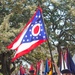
<point x="51" y="55"/>
<point x="50" y="50"/>
<point x="47" y="39"/>
<point x="49" y="46"/>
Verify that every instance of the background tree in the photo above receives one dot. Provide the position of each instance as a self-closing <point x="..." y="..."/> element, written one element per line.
<point x="59" y="18"/>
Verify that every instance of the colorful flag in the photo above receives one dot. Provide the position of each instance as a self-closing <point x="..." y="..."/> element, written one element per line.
<point x="64" y="66"/>
<point x="38" y="68"/>
<point x="46" y="67"/>
<point x="72" y="64"/>
<point x="50" y="67"/>
<point x="31" y="70"/>
<point x="22" y="70"/>
<point x="41" y="68"/>
<point x="35" y="73"/>
<point x="30" y="37"/>
<point x="66" y="63"/>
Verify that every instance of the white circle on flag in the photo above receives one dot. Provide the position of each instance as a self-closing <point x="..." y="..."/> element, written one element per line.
<point x="36" y="29"/>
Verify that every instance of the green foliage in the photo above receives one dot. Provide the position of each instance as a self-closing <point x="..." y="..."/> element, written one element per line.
<point x="59" y="18"/>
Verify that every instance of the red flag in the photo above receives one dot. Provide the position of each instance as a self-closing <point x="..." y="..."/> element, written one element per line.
<point x="30" y="37"/>
<point x="22" y="70"/>
<point x="31" y="70"/>
<point x="38" y="67"/>
<point x="35" y="72"/>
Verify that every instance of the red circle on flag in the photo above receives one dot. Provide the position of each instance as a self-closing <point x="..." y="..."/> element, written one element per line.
<point x="36" y="30"/>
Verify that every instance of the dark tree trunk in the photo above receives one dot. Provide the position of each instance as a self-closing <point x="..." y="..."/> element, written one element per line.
<point x="5" y="62"/>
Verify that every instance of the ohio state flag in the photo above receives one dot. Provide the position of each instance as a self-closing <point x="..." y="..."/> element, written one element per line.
<point x="30" y="37"/>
